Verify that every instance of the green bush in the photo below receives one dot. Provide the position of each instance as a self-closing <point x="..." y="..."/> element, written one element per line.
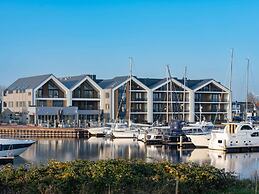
<point x="115" y="176"/>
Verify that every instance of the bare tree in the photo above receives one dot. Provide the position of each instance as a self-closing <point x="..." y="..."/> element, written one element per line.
<point x="252" y="98"/>
<point x="2" y="88"/>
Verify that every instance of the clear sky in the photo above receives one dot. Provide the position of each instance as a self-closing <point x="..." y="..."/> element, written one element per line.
<point x="94" y="36"/>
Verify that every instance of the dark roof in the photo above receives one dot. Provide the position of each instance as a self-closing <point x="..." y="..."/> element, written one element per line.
<point x="193" y="84"/>
<point x="149" y="82"/>
<point x="28" y="82"/>
<point x="112" y="83"/>
<point x="70" y="82"/>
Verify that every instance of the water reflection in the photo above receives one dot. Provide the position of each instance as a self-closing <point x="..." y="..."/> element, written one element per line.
<point x="244" y="164"/>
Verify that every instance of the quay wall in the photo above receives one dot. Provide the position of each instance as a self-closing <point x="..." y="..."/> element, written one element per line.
<point x="31" y="131"/>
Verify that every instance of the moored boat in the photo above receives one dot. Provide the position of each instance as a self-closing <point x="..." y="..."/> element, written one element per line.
<point x="199" y="133"/>
<point x="13" y="147"/>
<point x="124" y="131"/>
<point x="98" y="131"/>
<point x="235" y="137"/>
<point x="151" y="136"/>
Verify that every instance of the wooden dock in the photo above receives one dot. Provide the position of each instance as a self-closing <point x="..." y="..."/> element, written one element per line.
<point x="28" y="131"/>
<point x="6" y="160"/>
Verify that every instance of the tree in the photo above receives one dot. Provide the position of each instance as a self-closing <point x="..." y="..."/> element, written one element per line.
<point x="252" y="98"/>
<point x="2" y="88"/>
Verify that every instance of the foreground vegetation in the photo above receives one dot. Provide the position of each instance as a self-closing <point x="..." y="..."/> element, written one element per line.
<point x="119" y="176"/>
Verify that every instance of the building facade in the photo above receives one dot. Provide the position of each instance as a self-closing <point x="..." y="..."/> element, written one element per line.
<point x="77" y="100"/>
<point x="165" y="99"/>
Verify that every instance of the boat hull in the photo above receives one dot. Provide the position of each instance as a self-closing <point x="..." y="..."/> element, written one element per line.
<point x="12" y="147"/>
<point x="14" y="152"/>
<point x="150" y="138"/>
<point x="200" y="140"/>
<point x="125" y="134"/>
<point x="98" y="131"/>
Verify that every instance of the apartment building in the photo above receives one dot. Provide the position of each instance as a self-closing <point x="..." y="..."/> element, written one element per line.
<point x="47" y="100"/>
<point x="85" y="95"/>
<point x="116" y="99"/>
<point x="76" y="100"/>
<point x="165" y="99"/>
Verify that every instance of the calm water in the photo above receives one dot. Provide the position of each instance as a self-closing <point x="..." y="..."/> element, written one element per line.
<point x="244" y="164"/>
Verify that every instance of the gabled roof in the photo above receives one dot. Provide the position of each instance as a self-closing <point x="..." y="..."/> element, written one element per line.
<point x="70" y="82"/>
<point x="150" y="82"/>
<point x="28" y="82"/>
<point x="112" y="83"/>
<point x="193" y="84"/>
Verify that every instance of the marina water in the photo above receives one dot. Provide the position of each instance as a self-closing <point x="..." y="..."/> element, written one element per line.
<point x="102" y="148"/>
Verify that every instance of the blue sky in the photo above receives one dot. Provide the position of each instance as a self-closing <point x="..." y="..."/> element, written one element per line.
<point x="75" y="37"/>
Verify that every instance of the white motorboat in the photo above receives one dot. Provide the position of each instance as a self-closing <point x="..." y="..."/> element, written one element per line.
<point x="151" y="136"/>
<point x="121" y="130"/>
<point x="199" y="133"/>
<point x="98" y="131"/>
<point x="235" y="137"/>
<point x="13" y="147"/>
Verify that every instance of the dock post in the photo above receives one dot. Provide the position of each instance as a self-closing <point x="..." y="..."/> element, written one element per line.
<point x="181" y="141"/>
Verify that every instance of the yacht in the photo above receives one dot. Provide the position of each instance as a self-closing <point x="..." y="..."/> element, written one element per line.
<point x="172" y="132"/>
<point x="13" y="147"/>
<point x="98" y="131"/>
<point x="199" y="133"/>
<point x="122" y="130"/>
<point x="151" y="136"/>
<point x="235" y="137"/>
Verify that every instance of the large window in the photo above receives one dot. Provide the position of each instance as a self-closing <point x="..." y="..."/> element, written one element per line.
<point x="41" y="103"/>
<point x="158" y="97"/>
<point x="85" y="90"/>
<point x="53" y="90"/>
<point x="198" y="97"/>
<point x="138" y="96"/>
<point x="215" y="97"/>
<point x="39" y="93"/>
<point x="58" y="103"/>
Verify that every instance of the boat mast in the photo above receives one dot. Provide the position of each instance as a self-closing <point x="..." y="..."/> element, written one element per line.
<point x="130" y="63"/>
<point x="171" y="84"/>
<point x="167" y="96"/>
<point x="247" y="82"/>
<point x="230" y="83"/>
<point x="184" y="83"/>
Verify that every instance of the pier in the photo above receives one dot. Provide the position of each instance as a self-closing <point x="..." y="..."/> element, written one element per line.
<point x="27" y="131"/>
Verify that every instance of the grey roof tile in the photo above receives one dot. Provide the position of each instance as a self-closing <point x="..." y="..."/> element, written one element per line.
<point x="112" y="83"/>
<point x="28" y="82"/>
<point x="71" y="81"/>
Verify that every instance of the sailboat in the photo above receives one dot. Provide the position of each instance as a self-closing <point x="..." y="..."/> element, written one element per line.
<point x="173" y="131"/>
<point x="200" y="133"/>
<point x="237" y="136"/>
<point x="123" y="130"/>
